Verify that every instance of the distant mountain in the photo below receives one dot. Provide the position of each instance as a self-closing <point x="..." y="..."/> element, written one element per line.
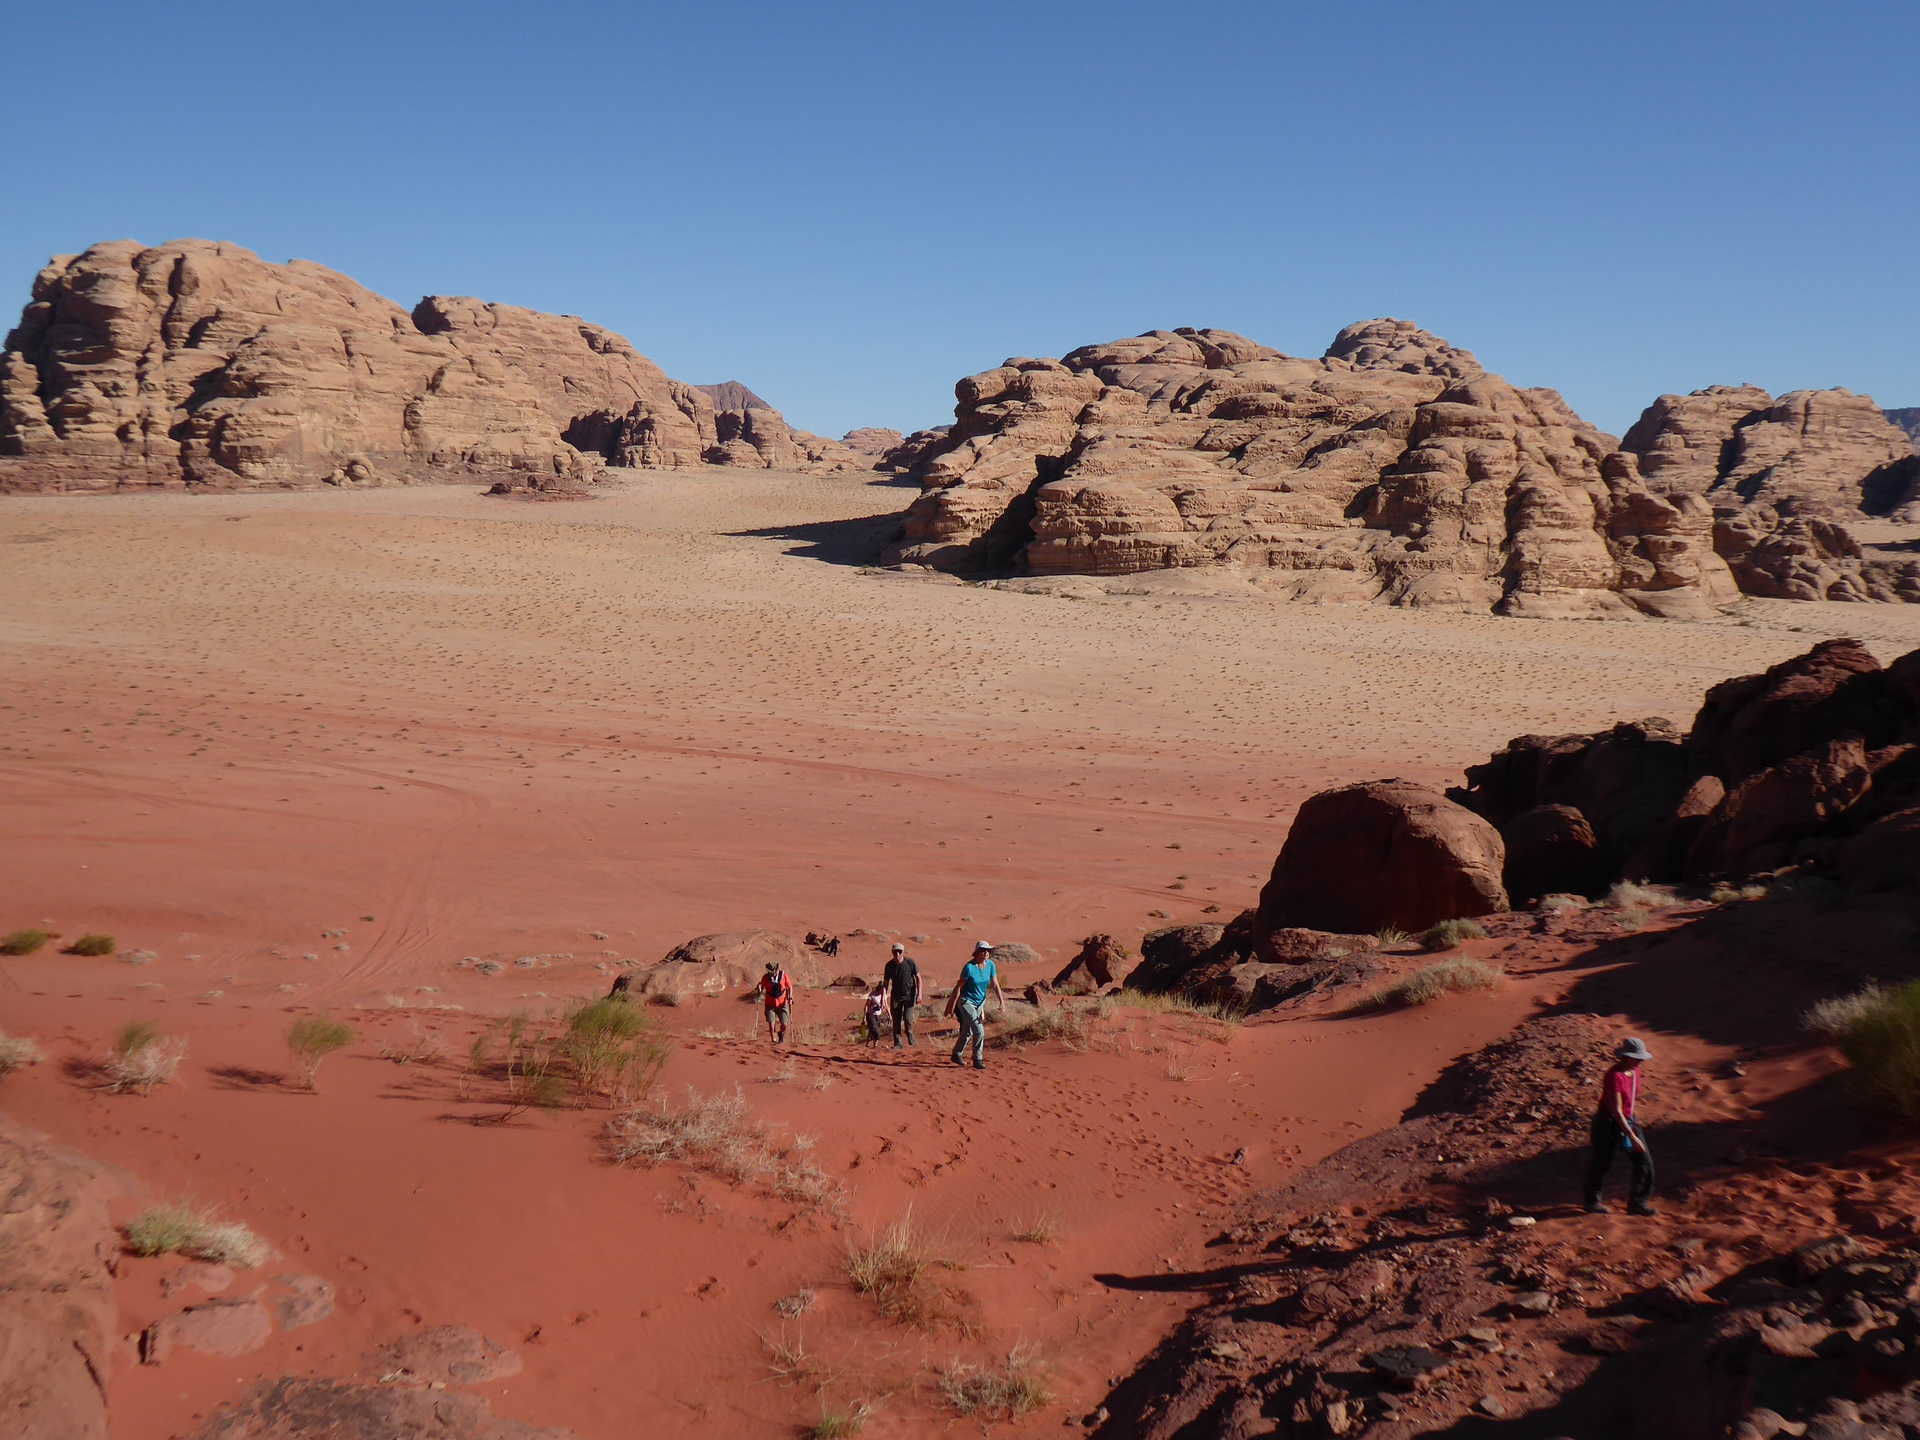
<point x="1909" y="421"/>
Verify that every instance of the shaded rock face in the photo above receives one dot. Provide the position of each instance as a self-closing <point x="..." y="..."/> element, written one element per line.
<point x="1907" y="421"/>
<point x="1098" y="965"/>
<point x="198" y="364"/>
<point x="1385" y="853"/>
<point x="1736" y="445"/>
<point x="1816" y="760"/>
<point x="1392" y="469"/>
<point x="731" y="962"/>
<point x="58" y="1318"/>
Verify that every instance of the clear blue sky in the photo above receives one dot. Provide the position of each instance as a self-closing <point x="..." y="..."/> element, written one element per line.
<point x="849" y="206"/>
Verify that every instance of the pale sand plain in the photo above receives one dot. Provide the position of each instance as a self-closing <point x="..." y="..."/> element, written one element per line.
<point x="451" y="727"/>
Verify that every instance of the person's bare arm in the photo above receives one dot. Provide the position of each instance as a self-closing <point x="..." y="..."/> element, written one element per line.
<point x="953" y="995"/>
<point x="998" y="993"/>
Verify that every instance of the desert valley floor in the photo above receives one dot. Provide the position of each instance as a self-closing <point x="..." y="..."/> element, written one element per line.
<point x="323" y="751"/>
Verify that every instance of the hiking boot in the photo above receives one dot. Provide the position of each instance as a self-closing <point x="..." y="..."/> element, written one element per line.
<point x="978" y="1066"/>
<point x="1641" y="1207"/>
<point x="1594" y="1207"/>
<point x="957" y="1060"/>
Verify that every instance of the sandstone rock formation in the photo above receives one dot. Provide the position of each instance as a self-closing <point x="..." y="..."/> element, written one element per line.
<point x="1098" y="965"/>
<point x="871" y="442"/>
<point x="198" y="364"/>
<point x="57" y="1311"/>
<point x="1394" y="469"/>
<point x="729" y="963"/>
<point x="1365" y="857"/>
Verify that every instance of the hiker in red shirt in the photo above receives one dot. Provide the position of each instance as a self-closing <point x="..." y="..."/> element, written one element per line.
<point x="1615" y="1129"/>
<point x="776" y="999"/>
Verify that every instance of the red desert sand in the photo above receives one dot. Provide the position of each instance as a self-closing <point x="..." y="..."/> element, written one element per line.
<point x="416" y="760"/>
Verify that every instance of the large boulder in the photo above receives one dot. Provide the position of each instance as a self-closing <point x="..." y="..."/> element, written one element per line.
<point x="57" y="1311"/>
<point x="728" y="963"/>
<point x="1386" y="853"/>
<point x="199" y="364"/>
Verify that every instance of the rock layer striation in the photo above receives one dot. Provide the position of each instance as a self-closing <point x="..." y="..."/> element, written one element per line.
<point x="1395" y="469"/>
<point x="198" y="364"/>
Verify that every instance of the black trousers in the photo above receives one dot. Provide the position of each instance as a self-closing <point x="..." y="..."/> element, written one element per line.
<point x="903" y="1018"/>
<point x="1607" y="1148"/>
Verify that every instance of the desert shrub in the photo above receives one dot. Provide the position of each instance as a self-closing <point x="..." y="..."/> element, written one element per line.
<point x="24" y="942"/>
<point x="1560" y="902"/>
<point x="16" y="1053"/>
<point x="1017" y="1387"/>
<point x="1449" y="933"/>
<point x="1633" y="895"/>
<point x="1390" y="938"/>
<point x="1833" y="1017"/>
<point x="183" y="1230"/>
<point x="613" y="1049"/>
<point x="668" y="999"/>
<point x="891" y="1265"/>
<point x="92" y="945"/>
<point x="1443" y="977"/>
<point x="312" y="1038"/>
<point x="422" y="1049"/>
<point x="141" y="1058"/>
<point x="1878" y="1030"/>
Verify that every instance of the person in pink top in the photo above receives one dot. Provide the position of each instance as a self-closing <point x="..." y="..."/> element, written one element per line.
<point x="1615" y="1129"/>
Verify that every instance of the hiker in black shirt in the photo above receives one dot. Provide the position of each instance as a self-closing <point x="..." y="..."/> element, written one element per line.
<point x="902" y="979"/>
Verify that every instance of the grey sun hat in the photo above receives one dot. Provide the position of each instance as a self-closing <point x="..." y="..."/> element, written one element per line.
<point x="979" y="945"/>
<point x="1631" y="1049"/>
<point x="898" y="948"/>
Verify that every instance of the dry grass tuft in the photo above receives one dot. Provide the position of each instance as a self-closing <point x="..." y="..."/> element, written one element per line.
<point x="183" y="1230"/>
<point x="1449" y="933"/>
<point x="141" y="1058"/>
<point x="24" y="942"/>
<point x="1017" y="1387"/>
<point x="894" y="1266"/>
<point x="312" y="1038"/>
<point x="16" y="1053"/>
<point x="1223" y="1011"/>
<point x="92" y="945"/>
<point x="1878" y="1029"/>
<point x="1430" y="982"/>
<point x="717" y="1134"/>
<point x="1040" y="1228"/>
<point x="1634" y="895"/>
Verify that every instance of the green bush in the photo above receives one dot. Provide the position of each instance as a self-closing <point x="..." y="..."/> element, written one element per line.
<point x="1881" y="1040"/>
<point x="24" y="942"/>
<point x="1449" y="933"/>
<point x="93" y="945"/>
<point x="613" y="1049"/>
<point x="312" y="1038"/>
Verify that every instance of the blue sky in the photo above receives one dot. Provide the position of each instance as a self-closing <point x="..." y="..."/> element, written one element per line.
<point x="850" y="206"/>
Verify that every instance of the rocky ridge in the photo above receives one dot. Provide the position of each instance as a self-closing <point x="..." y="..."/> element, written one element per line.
<point x="1395" y="469"/>
<point x="198" y="364"/>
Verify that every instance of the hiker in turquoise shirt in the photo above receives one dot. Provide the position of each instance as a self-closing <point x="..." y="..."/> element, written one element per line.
<point x="969" y="1000"/>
